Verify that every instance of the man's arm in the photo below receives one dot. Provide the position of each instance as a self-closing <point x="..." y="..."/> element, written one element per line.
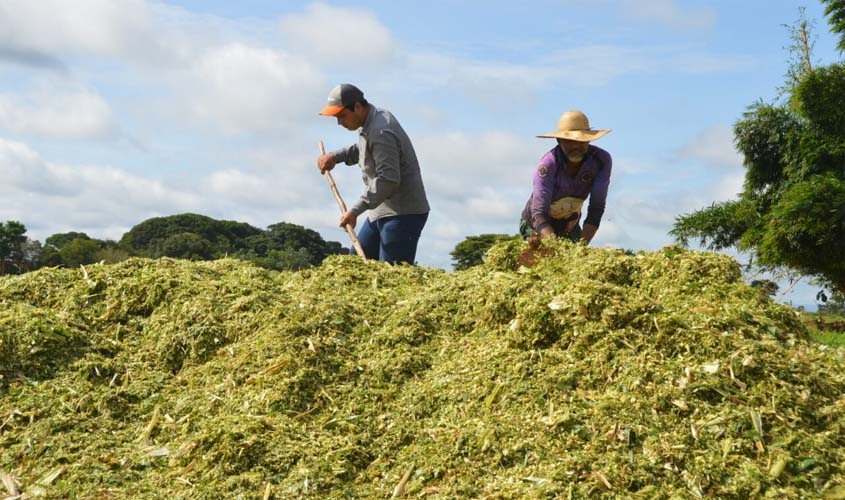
<point x="541" y="196"/>
<point x="598" y="200"/>
<point x="588" y="232"/>
<point x="326" y="162"/>
<point x="347" y="155"/>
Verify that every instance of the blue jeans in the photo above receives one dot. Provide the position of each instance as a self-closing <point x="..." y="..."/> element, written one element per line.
<point x="392" y="239"/>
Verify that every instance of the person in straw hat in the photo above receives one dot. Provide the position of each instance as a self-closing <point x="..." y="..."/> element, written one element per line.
<point x="568" y="174"/>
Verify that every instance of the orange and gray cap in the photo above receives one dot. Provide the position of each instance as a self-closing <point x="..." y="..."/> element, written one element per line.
<point x="342" y="96"/>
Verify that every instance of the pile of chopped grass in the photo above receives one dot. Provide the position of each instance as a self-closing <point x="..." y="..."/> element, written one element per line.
<point x="591" y="374"/>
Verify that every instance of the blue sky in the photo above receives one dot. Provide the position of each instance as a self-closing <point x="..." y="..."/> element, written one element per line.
<point x="114" y="111"/>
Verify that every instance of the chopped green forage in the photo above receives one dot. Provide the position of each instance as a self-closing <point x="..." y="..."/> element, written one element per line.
<point x="591" y="374"/>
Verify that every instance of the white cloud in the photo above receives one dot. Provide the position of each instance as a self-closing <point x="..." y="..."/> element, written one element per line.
<point x="587" y="66"/>
<point x="728" y="187"/>
<point x="107" y="201"/>
<point x="59" y="197"/>
<point x="104" y="186"/>
<point x="655" y="210"/>
<point x="670" y="13"/>
<point x="55" y="112"/>
<point x="148" y="33"/>
<point x="447" y="230"/>
<point x="334" y="36"/>
<point x="713" y="146"/>
<point x="96" y="26"/>
<point x="269" y="190"/>
<point x="453" y="162"/>
<point x="487" y="81"/>
<point x="489" y="204"/>
<point x="695" y="62"/>
<point x="23" y="171"/>
<point x="631" y="166"/>
<point x="239" y="88"/>
<point x="594" y="65"/>
<point x="612" y="234"/>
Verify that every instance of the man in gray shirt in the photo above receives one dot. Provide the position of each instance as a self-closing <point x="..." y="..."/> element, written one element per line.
<point x="395" y="195"/>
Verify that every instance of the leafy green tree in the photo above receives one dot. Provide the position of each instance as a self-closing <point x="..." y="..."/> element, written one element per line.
<point x="769" y="287"/>
<point x="186" y="246"/>
<point x="835" y="12"/>
<point x="59" y="240"/>
<point x="791" y="213"/>
<point x="31" y="253"/>
<point x="191" y="236"/>
<point x="470" y="252"/>
<point x="79" y="252"/>
<point x="287" y="236"/>
<point x="111" y="252"/>
<point x="224" y="237"/>
<point x="12" y="240"/>
<point x="49" y="257"/>
<point x="285" y="259"/>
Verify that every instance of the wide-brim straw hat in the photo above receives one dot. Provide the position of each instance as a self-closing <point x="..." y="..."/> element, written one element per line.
<point x="575" y="126"/>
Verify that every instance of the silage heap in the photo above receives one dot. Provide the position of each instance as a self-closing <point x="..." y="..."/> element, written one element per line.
<point x="591" y="374"/>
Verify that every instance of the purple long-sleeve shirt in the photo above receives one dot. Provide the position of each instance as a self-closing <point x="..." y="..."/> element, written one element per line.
<point x="552" y="183"/>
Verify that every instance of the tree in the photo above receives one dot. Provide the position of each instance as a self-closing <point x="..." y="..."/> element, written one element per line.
<point x="835" y="12"/>
<point x="59" y="240"/>
<point x="287" y="236"/>
<point x="791" y="213"/>
<point x="769" y="287"/>
<point x="111" y="252"/>
<point x="79" y="252"/>
<point x="31" y="253"/>
<point x="186" y="246"/>
<point x="470" y="252"/>
<point x="224" y="237"/>
<point x="800" y="51"/>
<point x="12" y="240"/>
<point x="197" y="237"/>
<point x="49" y="257"/>
<point x="283" y="260"/>
<point x="806" y="229"/>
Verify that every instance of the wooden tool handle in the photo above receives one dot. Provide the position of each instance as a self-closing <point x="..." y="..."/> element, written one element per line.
<point x="342" y="205"/>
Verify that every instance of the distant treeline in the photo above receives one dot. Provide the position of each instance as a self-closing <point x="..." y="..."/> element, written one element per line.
<point x="186" y="236"/>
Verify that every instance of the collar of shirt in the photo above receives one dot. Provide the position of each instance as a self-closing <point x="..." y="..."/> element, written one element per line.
<point x="370" y="114"/>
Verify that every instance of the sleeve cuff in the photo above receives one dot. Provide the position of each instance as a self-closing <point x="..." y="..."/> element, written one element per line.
<point x="358" y="208"/>
<point x="340" y="155"/>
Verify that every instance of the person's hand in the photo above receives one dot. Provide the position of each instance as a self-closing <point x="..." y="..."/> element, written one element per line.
<point x="547" y="232"/>
<point x="348" y="218"/>
<point x="326" y="162"/>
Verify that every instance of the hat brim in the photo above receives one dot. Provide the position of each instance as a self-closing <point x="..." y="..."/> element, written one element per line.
<point x="331" y="110"/>
<point x="576" y="135"/>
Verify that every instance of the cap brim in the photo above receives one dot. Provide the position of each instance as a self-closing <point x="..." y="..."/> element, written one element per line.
<point x="576" y="135"/>
<point x="331" y="110"/>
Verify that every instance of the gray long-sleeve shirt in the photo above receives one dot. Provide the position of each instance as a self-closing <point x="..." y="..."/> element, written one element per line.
<point x="389" y="168"/>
